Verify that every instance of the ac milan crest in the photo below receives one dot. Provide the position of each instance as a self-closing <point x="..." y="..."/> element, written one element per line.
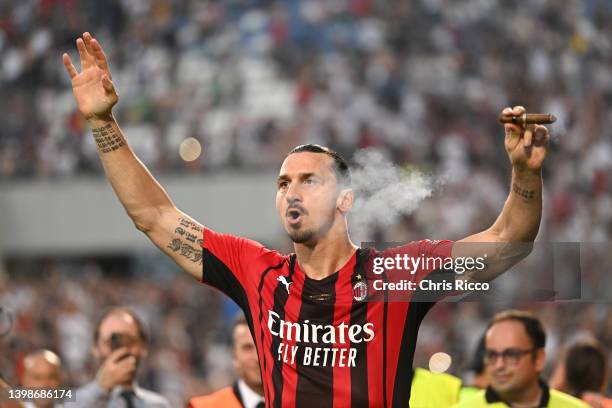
<point x="360" y="291"/>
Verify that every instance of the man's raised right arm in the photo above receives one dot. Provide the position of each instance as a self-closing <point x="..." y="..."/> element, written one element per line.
<point x="144" y="199"/>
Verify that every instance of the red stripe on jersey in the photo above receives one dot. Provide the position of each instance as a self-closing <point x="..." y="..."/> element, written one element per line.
<point x="342" y="314"/>
<point x="292" y="312"/>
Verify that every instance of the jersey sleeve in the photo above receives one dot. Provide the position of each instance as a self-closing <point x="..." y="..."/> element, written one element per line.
<point x="227" y="261"/>
<point x="418" y="261"/>
<point x="435" y="253"/>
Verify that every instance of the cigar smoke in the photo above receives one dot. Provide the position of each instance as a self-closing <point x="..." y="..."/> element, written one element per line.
<point x="384" y="192"/>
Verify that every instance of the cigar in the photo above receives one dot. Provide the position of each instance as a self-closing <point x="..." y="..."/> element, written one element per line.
<point x="528" y="119"/>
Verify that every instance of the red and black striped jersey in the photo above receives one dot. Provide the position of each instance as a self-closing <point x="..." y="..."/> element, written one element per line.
<point x="319" y="343"/>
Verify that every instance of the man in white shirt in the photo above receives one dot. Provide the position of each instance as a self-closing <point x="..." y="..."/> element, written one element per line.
<point x="248" y="391"/>
<point x="119" y="344"/>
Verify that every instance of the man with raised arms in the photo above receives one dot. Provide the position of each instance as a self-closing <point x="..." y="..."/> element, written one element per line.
<point x="324" y="282"/>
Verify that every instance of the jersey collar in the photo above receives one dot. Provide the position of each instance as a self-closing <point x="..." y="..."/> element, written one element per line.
<point x="491" y="396"/>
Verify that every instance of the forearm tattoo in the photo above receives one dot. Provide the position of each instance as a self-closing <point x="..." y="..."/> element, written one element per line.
<point x="107" y="138"/>
<point x="187" y="240"/>
<point x="529" y="194"/>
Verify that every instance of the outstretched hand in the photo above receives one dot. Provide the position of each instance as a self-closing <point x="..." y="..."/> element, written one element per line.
<point x="92" y="87"/>
<point x="526" y="146"/>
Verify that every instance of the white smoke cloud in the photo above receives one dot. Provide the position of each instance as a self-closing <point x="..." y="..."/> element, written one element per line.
<point x="384" y="192"/>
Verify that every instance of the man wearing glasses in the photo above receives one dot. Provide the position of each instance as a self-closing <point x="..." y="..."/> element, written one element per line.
<point x="514" y="359"/>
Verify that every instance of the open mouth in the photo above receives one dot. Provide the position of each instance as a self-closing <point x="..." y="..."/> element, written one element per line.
<point x="294" y="216"/>
<point x="502" y="378"/>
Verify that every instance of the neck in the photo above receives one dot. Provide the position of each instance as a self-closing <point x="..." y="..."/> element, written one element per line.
<point x="328" y="255"/>
<point x="258" y="388"/>
<point x="524" y="398"/>
<point x="129" y="385"/>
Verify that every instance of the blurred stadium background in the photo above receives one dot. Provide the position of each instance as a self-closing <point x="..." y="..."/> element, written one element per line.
<point x="421" y="80"/>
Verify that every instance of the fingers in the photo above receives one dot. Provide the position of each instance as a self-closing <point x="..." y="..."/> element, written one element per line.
<point x="528" y="136"/>
<point x="518" y="110"/>
<point x="96" y="52"/>
<point x="90" y="53"/>
<point x="69" y="66"/>
<point x="515" y="111"/>
<point x="87" y="40"/>
<point x="86" y="59"/>
<point x="127" y="364"/>
<point x="541" y="136"/>
<point x="99" y="56"/>
<point x="126" y="368"/>
<point x="119" y="366"/>
<point x="118" y="354"/>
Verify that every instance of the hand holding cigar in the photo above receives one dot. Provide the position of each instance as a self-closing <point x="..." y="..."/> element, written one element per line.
<point x="528" y="119"/>
<point x="526" y="138"/>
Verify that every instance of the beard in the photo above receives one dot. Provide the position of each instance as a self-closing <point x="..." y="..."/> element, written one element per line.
<point x="301" y="237"/>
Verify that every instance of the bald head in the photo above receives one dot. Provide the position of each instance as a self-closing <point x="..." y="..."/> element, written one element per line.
<point x="42" y="369"/>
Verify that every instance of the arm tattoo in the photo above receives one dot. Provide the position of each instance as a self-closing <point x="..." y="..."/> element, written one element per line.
<point x="187" y="223"/>
<point x="529" y="194"/>
<point x="183" y="247"/>
<point x="107" y="138"/>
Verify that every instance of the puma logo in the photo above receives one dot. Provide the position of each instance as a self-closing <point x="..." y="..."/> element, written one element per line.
<point x="284" y="281"/>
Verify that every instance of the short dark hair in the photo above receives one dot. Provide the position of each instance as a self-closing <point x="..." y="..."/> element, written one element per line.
<point x="142" y="332"/>
<point x="585" y="367"/>
<point x="341" y="167"/>
<point x="532" y="325"/>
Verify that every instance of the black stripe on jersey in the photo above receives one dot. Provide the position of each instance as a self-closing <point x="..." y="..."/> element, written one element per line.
<point x="263" y="365"/>
<point x="281" y="295"/>
<point x="359" y="315"/>
<point x="416" y="313"/>
<point x="315" y="385"/>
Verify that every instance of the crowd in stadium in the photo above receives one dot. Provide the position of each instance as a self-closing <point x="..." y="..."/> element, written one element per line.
<point x="422" y="80"/>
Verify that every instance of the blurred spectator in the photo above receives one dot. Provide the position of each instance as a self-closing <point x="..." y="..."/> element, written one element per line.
<point x="248" y="391"/>
<point x="431" y="389"/>
<point x="514" y="357"/>
<point x="42" y="370"/>
<point x="192" y="356"/>
<point x="119" y="345"/>
<point x="583" y="372"/>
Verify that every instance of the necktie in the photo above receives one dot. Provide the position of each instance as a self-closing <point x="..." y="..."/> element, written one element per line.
<point x="260" y="404"/>
<point x="128" y="396"/>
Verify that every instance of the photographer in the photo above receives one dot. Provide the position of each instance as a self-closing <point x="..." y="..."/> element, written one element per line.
<point x="119" y="345"/>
